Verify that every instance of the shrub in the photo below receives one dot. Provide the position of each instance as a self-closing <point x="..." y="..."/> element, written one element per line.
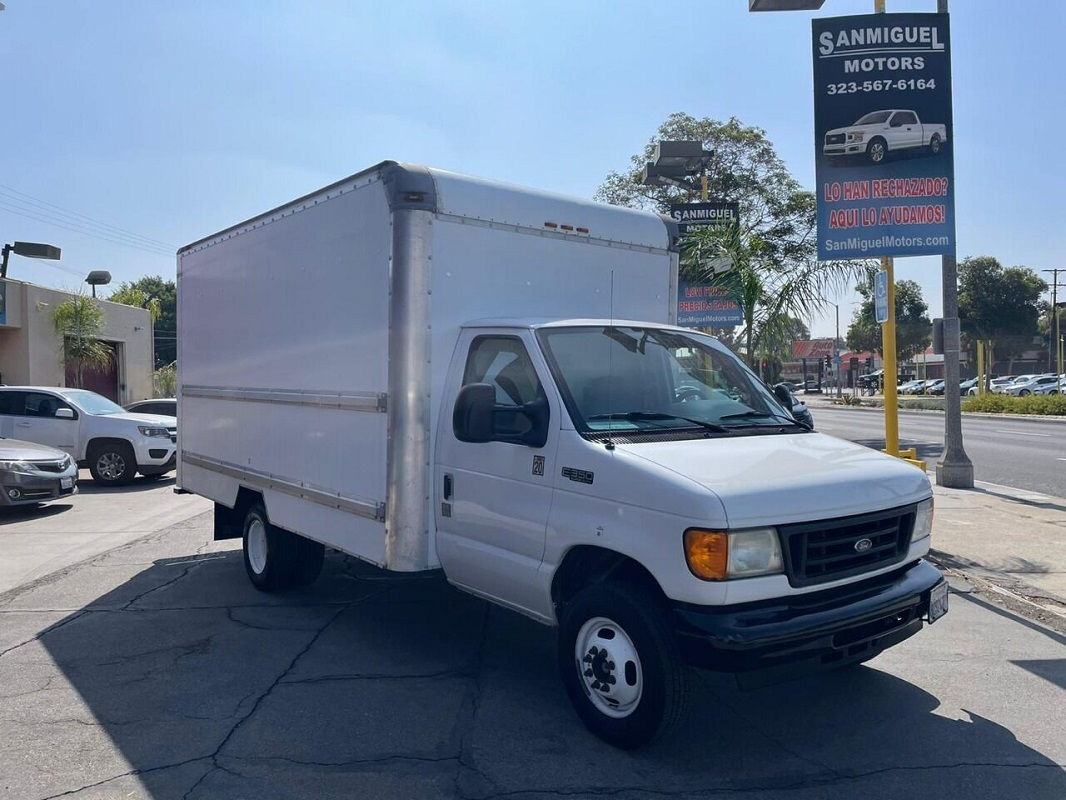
<point x="1047" y="404"/>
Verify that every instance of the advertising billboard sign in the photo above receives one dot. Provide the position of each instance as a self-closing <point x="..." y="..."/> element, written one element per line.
<point x="713" y="214"/>
<point x="883" y="136"/>
<point x="705" y="305"/>
<point x="700" y="305"/>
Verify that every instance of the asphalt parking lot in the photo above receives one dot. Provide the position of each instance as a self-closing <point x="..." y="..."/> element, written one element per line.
<point x="155" y="670"/>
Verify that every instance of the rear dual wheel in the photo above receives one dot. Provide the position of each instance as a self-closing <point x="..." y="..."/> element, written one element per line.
<point x="276" y="559"/>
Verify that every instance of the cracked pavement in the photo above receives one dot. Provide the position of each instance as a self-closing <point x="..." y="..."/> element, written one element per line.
<point x="156" y="671"/>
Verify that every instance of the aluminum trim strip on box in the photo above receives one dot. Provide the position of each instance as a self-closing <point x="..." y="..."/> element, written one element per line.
<point x="265" y="480"/>
<point x="349" y="401"/>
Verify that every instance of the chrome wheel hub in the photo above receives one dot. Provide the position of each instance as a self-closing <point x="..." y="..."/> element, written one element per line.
<point x="111" y="465"/>
<point x="257" y="546"/>
<point x="609" y="667"/>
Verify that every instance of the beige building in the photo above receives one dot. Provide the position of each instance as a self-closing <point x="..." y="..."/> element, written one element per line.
<point x="31" y="351"/>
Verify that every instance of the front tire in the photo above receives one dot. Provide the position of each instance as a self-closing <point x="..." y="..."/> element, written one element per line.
<point x="1024" y="393"/>
<point x="876" y="150"/>
<point x="112" y="463"/>
<point x="620" y="665"/>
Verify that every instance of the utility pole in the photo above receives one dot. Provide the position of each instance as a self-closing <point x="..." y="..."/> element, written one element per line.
<point x="836" y="351"/>
<point x="955" y="468"/>
<point x="1054" y="328"/>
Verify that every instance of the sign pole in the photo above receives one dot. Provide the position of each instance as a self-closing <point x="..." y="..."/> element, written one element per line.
<point x="888" y="363"/>
<point x="955" y="469"/>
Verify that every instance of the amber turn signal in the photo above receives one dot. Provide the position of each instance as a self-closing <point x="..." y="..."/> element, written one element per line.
<point x="707" y="553"/>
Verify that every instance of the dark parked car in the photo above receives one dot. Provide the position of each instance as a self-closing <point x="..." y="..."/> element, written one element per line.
<point x="166" y="406"/>
<point x="34" y="473"/>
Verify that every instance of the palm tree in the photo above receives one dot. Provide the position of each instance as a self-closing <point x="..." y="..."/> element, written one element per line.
<point x="80" y="322"/>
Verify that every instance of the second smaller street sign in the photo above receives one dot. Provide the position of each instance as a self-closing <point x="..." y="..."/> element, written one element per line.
<point x="706" y="305"/>
<point x="881" y="296"/>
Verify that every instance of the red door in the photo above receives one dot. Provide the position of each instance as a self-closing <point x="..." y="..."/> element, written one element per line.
<point x="102" y="380"/>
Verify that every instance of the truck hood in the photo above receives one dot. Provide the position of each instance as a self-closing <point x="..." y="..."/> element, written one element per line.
<point x="777" y="479"/>
<point x="856" y="128"/>
<point x="129" y="422"/>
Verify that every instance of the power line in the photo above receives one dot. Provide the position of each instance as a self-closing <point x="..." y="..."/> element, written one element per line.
<point x="25" y="198"/>
<point x="31" y="214"/>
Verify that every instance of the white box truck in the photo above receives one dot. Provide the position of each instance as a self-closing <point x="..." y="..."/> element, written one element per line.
<point x="430" y="371"/>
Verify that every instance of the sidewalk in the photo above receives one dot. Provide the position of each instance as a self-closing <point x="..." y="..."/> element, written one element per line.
<point x="1009" y="537"/>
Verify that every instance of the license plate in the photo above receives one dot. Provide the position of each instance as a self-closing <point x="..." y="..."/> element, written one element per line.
<point x="938" y="602"/>
<point x="66" y="483"/>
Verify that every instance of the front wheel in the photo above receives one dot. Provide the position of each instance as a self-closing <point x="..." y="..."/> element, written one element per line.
<point x="876" y="151"/>
<point x="1024" y="393"/>
<point x="112" y="463"/>
<point x="620" y="665"/>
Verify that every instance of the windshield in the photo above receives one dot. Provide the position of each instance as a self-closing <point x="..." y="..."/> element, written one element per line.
<point x="621" y="379"/>
<point x="874" y="118"/>
<point x="93" y="403"/>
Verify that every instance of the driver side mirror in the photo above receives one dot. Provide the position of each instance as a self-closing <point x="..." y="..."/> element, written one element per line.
<point x="64" y="413"/>
<point x="784" y="397"/>
<point x="474" y="418"/>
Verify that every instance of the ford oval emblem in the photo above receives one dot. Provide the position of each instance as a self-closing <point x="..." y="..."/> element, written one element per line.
<point x="863" y="545"/>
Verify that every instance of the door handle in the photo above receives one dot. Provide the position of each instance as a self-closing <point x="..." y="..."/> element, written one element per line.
<point x="448" y="485"/>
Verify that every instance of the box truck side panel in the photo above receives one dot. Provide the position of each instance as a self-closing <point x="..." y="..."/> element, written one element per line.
<point x="284" y="365"/>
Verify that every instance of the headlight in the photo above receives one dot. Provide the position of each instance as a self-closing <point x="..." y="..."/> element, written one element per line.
<point x="855" y="137"/>
<point x="923" y="520"/>
<point x="721" y="555"/>
<point x="16" y="466"/>
<point x="146" y="431"/>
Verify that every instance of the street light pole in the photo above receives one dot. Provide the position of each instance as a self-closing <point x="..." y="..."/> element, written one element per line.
<point x="955" y="469"/>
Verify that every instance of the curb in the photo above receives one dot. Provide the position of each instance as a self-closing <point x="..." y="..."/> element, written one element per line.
<point x="972" y="414"/>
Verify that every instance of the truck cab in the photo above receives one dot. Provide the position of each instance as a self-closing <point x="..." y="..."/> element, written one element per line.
<point x="581" y="456"/>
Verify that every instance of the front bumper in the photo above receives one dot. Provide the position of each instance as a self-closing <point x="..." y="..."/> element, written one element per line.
<point x="155" y="451"/>
<point x="849" y="149"/>
<point x="35" y="487"/>
<point x="786" y="637"/>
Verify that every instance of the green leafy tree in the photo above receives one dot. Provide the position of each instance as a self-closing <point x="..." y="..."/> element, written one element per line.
<point x="1000" y="304"/>
<point x="160" y="297"/>
<point x="79" y="321"/>
<point x="773" y="251"/>
<point x="913" y="326"/>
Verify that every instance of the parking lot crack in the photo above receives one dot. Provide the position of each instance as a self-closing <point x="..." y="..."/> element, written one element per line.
<point x="46" y="631"/>
<point x="132" y="772"/>
<point x="266" y="693"/>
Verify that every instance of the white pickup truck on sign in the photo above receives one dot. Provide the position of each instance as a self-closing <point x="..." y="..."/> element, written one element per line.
<point x="880" y="132"/>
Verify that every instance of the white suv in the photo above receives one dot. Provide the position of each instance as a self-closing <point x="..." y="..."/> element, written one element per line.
<point x="113" y="443"/>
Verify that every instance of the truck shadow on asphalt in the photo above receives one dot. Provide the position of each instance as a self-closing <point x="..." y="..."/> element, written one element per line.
<point x="138" y="484"/>
<point x="372" y="685"/>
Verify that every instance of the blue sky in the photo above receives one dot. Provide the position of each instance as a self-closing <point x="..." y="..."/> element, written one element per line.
<point x="172" y="120"/>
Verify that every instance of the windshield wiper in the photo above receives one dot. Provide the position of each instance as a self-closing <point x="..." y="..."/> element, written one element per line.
<point x="638" y="416"/>
<point x="761" y="415"/>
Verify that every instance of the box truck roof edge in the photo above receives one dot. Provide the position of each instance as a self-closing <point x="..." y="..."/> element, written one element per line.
<point x="414" y="186"/>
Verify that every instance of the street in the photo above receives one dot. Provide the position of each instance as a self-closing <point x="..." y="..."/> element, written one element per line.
<point x="1024" y="454"/>
<point x="157" y="671"/>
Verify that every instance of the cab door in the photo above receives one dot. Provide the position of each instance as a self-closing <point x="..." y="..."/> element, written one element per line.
<point x="493" y="498"/>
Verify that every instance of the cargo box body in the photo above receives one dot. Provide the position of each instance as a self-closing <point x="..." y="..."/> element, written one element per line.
<point x="315" y="339"/>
